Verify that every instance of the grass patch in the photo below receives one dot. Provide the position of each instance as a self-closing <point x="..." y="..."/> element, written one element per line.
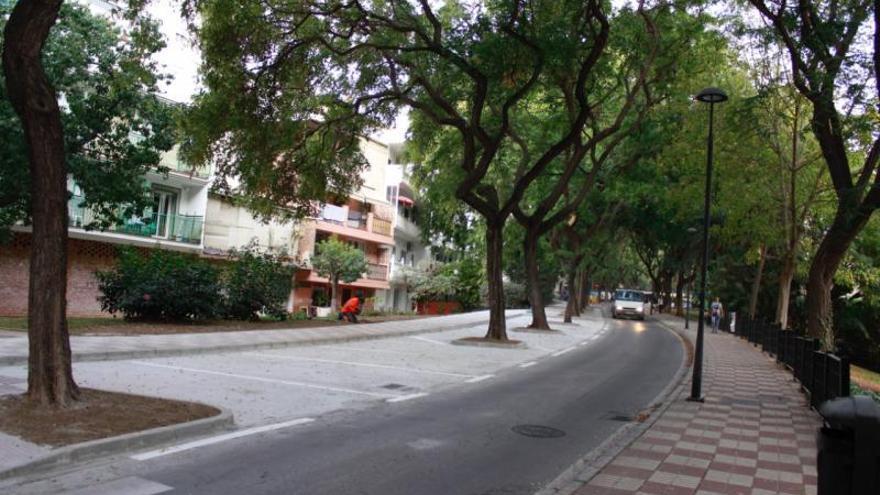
<point x="120" y="326"/>
<point x="865" y="378"/>
<point x="19" y="323"/>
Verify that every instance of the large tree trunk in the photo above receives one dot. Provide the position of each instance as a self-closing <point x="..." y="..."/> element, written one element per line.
<point x="50" y="378"/>
<point x="821" y="279"/>
<point x="588" y="284"/>
<point x="786" y="275"/>
<point x="536" y="299"/>
<point x="570" y="304"/>
<point x="756" y="283"/>
<point x="571" y="280"/>
<point x="585" y="289"/>
<point x="494" y="257"/>
<point x="679" y="294"/>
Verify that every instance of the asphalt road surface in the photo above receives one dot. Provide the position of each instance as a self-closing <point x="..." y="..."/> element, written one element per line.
<point x="458" y="441"/>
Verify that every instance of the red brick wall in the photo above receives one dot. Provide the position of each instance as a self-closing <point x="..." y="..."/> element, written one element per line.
<point x="83" y="259"/>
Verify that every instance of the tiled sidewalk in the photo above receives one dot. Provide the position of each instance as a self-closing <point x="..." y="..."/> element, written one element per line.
<point x="754" y="434"/>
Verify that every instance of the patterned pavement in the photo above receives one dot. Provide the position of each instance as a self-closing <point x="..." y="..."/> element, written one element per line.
<point x="754" y="434"/>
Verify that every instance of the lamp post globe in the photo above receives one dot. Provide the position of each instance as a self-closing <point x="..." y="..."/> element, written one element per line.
<point x="710" y="95"/>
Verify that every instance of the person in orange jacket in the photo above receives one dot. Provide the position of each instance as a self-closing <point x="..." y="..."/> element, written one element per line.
<point x="350" y="310"/>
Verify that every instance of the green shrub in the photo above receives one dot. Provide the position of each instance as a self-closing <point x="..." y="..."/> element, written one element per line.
<point x="256" y="283"/>
<point x="469" y="279"/>
<point x="161" y="286"/>
<point x="515" y="295"/>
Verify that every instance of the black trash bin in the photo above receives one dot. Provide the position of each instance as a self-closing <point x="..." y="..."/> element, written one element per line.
<point x="849" y="447"/>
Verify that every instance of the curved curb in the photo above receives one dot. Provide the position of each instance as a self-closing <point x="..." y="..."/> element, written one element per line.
<point x="588" y="466"/>
<point x="104" y="447"/>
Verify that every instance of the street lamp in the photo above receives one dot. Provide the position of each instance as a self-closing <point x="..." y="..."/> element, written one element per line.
<point x="710" y="96"/>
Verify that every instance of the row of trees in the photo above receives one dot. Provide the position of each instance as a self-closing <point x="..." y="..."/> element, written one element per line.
<point x="556" y="138"/>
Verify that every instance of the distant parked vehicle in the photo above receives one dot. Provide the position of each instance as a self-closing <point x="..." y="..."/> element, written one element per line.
<point x="630" y="303"/>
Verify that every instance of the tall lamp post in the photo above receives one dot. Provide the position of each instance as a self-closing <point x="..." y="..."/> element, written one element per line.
<point x="710" y="96"/>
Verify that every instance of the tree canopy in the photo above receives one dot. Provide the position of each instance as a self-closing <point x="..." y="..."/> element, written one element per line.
<point x="115" y="124"/>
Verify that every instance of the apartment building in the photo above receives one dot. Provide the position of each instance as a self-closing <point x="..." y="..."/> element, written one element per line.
<point x="409" y="250"/>
<point x="174" y="221"/>
<point x="364" y="220"/>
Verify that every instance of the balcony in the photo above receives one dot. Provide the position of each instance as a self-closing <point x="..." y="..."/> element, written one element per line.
<point x="356" y="224"/>
<point x="178" y="228"/>
<point x="407" y="229"/>
<point x="175" y="164"/>
<point x="382" y="227"/>
<point x="376" y="271"/>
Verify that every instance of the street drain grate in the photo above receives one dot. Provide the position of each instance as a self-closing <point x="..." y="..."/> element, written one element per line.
<point x="618" y="416"/>
<point x="538" y="431"/>
<point x="393" y="386"/>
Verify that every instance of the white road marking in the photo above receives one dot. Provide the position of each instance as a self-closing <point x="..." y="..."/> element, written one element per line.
<point x="425" y="339"/>
<point x="567" y="349"/>
<point x="542" y="348"/>
<point x="367" y="349"/>
<point x="265" y="380"/>
<point x="403" y="398"/>
<point x="479" y="378"/>
<point x="130" y="485"/>
<point x="219" y="438"/>
<point x="366" y="365"/>
<point x="526" y="365"/>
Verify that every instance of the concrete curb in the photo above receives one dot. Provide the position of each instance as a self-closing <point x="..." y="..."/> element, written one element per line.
<point x="476" y="343"/>
<point x="104" y="447"/>
<point x="79" y="357"/>
<point x="539" y="332"/>
<point x="581" y="472"/>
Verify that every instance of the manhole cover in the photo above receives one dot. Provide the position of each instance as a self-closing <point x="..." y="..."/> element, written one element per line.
<point x="538" y="431"/>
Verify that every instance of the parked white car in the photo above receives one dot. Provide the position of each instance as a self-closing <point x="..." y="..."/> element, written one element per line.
<point x="630" y="303"/>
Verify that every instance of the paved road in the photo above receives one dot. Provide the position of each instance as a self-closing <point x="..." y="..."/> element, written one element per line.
<point x="458" y="442"/>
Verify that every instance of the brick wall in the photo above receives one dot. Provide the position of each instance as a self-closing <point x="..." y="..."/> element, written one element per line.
<point x="83" y="259"/>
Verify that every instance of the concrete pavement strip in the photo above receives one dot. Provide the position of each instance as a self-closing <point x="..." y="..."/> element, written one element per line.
<point x="132" y="347"/>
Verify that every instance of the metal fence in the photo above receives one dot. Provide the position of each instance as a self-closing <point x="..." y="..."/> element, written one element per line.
<point x="822" y="375"/>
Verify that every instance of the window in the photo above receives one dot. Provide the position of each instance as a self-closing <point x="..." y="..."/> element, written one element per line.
<point x="164" y="211"/>
<point x="391" y="193"/>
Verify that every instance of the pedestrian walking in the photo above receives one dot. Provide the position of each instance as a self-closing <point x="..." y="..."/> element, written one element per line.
<point x="350" y="310"/>
<point x="717" y="311"/>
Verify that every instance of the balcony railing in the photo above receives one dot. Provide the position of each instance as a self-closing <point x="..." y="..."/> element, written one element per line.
<point x="343" y="216"/>
<point x="178" y="228"/>
<point x="175" y="164"/>
<point x="382" y="227"/>
<point x="376" y="271"/>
